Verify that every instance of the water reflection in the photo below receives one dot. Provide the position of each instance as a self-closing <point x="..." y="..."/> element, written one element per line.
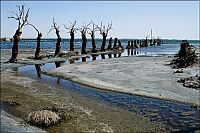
<point x="119" y="55"/>
<point x="71" y="61"/>
<point x="157" y="110"/>
<point x="109" y="55"/>
<point x="128" y="52"/>
<point x="102" y="56"/>
<point x="135" y="52"/>
<point x="38" y="70"/>
<point x="58" y="64"/>
<point x="131" y="51"/>
<point x="94" y="57"/>
<point x="83" y="59"/>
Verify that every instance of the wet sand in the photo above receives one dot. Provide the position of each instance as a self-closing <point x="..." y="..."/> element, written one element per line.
<point x="145" y="76"/>
<point x="85" y="115"/>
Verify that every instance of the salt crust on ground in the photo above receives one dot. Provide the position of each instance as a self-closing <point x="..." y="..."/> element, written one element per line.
<point x="146" y="76"/>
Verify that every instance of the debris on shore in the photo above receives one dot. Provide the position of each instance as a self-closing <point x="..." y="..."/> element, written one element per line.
<point x="191" y="82"/>
<point x="185" y="57"/>
<point x="43" y="118"/>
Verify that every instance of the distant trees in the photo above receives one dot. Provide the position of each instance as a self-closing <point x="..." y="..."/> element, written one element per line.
<point x="57" y="29"/>
<point x="104" y="32"/>
<point x="22" y="17"/>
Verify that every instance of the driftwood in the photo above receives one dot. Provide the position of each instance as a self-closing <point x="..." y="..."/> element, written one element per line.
<point x="191" y="82"/>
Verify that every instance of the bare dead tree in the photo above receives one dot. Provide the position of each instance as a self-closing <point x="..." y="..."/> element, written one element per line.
<point x="110" y="43"/>
<point x="83" y="31"/>
<point x="72" y="30"/>
<point x="104" y="32"/>
<point x="39" y="37"/>
<point x="115" y="43"/>
<point x="92" y="34"/>
<point x="57" y="29"/>
<point x="22" y="17"/>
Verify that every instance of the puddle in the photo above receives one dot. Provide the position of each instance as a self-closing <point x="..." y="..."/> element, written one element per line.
<point x="180" y="117"/>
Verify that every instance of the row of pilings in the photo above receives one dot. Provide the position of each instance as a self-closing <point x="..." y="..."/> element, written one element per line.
<point x="133" y="44"/>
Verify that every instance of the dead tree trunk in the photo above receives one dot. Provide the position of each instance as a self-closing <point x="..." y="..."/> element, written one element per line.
<point x="115" y="43"/>
<point x="22" y="19"/>
<point x="110" y="44"/>
<point x="72" y="41"/>
<point x="92" y="34"/>
<point x="72" y="30"/>
<point x="93" y="42"/>
<point x="84" y="43"/>
<point x="39" y="37"/>
<point x="58" y="41"/>
<point x="57" y="52"/>
<point x="37" y="52"/>
<point x="83" y="31"/>
<point x="103" y="42"/>
<point x="104" y="32"/>
<point x="15" y="47"/>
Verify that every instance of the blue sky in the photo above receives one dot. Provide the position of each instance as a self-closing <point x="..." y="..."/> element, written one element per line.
<point x="131" y="19"/>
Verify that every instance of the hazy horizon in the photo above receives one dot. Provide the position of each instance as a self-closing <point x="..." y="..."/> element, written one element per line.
<point x="131" y="19"/>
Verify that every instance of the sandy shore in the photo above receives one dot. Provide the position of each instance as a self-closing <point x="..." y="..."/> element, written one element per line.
<point x="146" y="76"/>
<point x="86" y="115"/>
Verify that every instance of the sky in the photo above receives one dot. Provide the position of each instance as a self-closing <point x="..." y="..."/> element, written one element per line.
<point x="130" y="19"/>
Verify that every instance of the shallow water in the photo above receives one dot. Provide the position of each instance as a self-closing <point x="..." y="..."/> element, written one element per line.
<point x="174" y="115"/>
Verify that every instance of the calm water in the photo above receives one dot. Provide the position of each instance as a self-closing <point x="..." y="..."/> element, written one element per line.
<point x="168" y="46"/>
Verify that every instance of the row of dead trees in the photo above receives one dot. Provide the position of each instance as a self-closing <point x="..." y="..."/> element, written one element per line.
<point x="22" y="17"/>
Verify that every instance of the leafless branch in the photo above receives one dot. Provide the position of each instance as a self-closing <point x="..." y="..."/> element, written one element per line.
<point x="103" y="29"/>
<point x="93" y="29"/>
<point x="50" y="31"/>
<point x="71" y="28"/>
<point x="34" y="27"/>
<point x="21" y="16"/>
